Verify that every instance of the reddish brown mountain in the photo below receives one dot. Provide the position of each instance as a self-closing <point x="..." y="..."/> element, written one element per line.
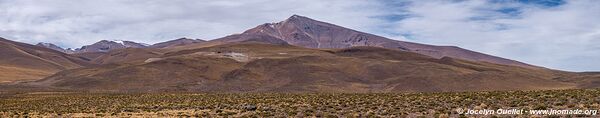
<point x="302" y="31"/>
<point x="258" y="67"/>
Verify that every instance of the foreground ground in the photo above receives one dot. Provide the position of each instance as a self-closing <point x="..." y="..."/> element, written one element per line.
<point x="291" y="105"/>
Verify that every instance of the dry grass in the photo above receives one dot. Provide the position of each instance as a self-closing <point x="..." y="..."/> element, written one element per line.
<point x="288" y="105"/>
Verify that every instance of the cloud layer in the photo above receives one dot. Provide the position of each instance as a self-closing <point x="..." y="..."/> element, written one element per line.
<point x="73" y="23"/>
<point x="555" y="34"/>
<point x="551" y="33"/>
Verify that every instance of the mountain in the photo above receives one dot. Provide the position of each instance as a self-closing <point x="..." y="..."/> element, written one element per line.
<point x="55" y="47"/>
<point x="176" y="42"/>
<point x="105" y="46"/>
<point x="20" y="61"/>
<point x="259" y="67"/>
<point x="306" y="32"/>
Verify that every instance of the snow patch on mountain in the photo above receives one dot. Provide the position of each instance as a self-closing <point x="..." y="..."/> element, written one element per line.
<point x="119" y="41"/>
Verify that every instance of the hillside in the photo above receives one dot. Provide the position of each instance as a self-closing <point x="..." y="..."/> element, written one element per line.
<point x="254" y="67"/>
<point x="20" y="61"/>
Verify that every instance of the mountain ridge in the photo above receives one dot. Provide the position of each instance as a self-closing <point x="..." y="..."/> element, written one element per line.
<point x="108" y="45"/>
<point x="176" y="42"/>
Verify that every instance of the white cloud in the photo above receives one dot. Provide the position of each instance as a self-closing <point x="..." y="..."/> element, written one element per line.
<point x="560" y="37"/>
<point x="81" y="22"/>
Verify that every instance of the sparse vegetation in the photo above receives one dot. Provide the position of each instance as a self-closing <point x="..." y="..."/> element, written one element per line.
<point x="288" y="104"/>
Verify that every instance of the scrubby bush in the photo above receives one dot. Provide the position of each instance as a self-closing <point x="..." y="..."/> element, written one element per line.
<point x="289" y="105"/>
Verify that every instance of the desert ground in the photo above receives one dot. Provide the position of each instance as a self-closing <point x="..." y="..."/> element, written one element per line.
<point x="442" y="104"/>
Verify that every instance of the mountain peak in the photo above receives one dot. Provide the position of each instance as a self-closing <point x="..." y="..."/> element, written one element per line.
<point x="299" y="18"/>
<point x="293" y="22"/>
<point x="176" y="42"/>
<point x="45" y="44"/>
<point x="107" y="45"/>
<point x="122" y="42"/>
<point x="296" y="16"/>
<point x="183" y="38"/>
<point x="119" y="41"/>
<point x="54" y="47"/>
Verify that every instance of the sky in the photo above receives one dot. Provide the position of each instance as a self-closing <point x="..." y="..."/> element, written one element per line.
<point x="556" y="34"/>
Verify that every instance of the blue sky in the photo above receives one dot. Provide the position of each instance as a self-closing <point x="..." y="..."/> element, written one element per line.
<point x="551" y="33"/>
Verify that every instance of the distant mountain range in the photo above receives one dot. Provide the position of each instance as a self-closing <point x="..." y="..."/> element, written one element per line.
<point x="298" y="54"/>
<point x="106" y="45"/>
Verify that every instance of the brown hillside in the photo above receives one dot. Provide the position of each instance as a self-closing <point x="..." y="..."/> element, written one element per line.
<point x="89" y="56"/>
<point x="19" y="61"/>
<point x="253" y="67"/>
<point x="126" y="55"/>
